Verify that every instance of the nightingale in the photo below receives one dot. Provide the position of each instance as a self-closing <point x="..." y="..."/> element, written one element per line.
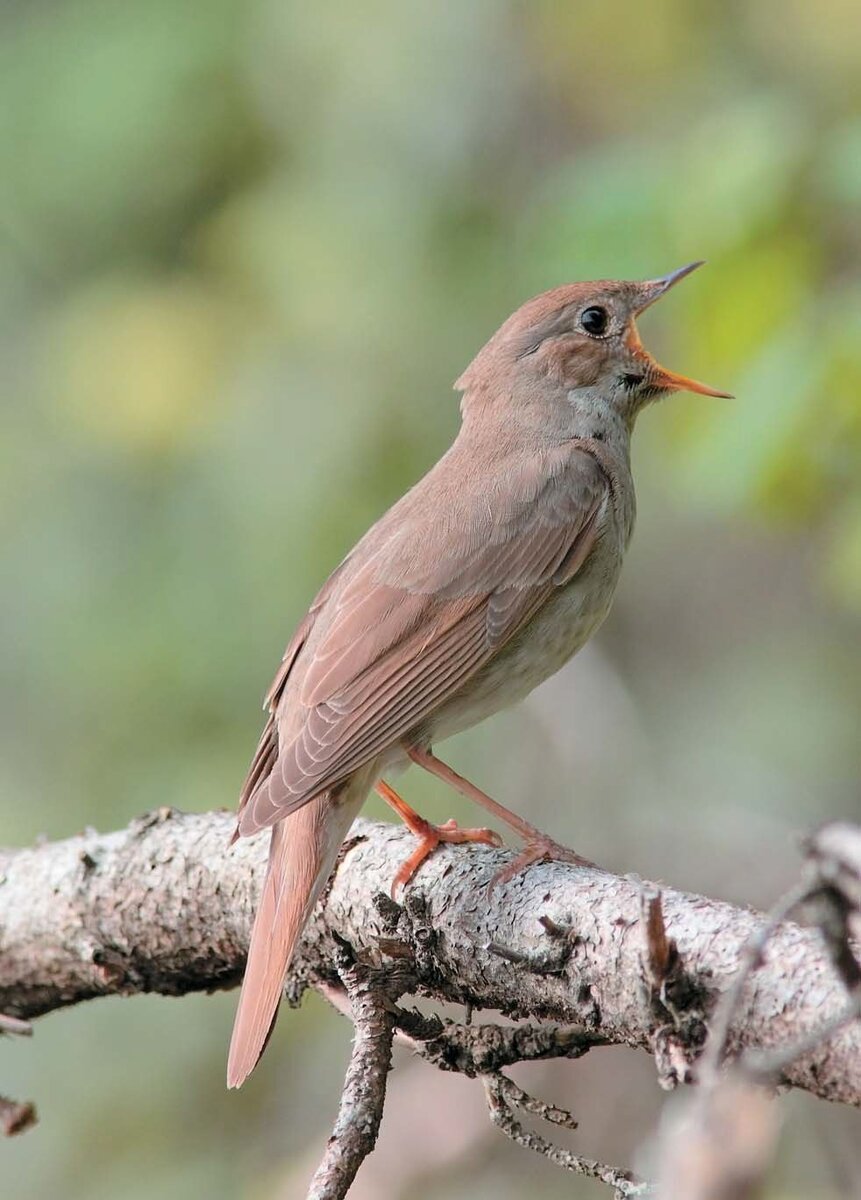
<point x="480" y="582"/>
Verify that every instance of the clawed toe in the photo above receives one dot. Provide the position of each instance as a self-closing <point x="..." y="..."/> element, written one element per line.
<point x="538" y="849"/>
<point x="451" y="832"/>
<point x="430" y="836"/>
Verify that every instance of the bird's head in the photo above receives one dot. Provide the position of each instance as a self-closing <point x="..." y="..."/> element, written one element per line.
<point x="582" y="338"/>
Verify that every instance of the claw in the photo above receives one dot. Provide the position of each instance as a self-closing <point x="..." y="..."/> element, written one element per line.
<point x="539" y="848"/>
<point x="429" y="835"/>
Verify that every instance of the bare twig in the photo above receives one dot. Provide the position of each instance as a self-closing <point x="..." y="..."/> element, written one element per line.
<point x="829" y="893"/>
<point x="514" y="1095"/>
<point x="500" y="1093"/>
<point x="549" y="960"/>
<point x="834" y="855"/>
<point x="834" y="900"/>
<point x="479" y="1049"/>
<point x="475" y="1049"/>
<point x="361" y="1108"/>
<point x="766" y="1064"/>
<point x="482" y="1050"/>
<point x="719" y="1145"/>
<point x="15" y="1116"/>
<point x="750" y="960"/>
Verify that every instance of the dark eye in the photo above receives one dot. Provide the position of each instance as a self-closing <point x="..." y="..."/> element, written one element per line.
<point x="594" y="321"/>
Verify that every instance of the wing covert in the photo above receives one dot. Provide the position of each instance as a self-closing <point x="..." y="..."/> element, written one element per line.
<point x="415" y="620"/>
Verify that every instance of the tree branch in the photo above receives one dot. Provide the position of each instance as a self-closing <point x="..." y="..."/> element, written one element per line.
<point x="164" y="906"/>
<point x="361" y="1109"/>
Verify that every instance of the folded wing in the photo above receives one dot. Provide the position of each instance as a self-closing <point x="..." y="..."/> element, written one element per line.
<point x="404" y="625"/>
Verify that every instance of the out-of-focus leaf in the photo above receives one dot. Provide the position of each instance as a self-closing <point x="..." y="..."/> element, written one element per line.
<point x="734" y="459"/>
<point x="140" y="362"/>
<point x="737" y="168"/>
<point x="113" y="119"/>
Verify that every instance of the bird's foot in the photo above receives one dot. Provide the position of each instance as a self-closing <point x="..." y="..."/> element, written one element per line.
<point x="430" y="836"/>
<point x="538" y="848"/>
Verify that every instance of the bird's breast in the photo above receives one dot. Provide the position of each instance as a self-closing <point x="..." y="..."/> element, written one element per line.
<point x="552" y="637"/>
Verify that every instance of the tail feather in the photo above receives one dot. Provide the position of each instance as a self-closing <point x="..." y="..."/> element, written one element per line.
<point x="302" y="853"/>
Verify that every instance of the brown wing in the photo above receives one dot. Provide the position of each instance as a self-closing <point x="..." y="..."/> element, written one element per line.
<point x="418" y="615"/>
<point x="266" y="753"/>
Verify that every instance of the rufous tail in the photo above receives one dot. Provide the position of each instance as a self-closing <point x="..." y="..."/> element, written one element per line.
<point x="302" y="853"/>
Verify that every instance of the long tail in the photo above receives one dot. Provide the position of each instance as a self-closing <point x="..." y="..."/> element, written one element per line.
<point x="302" y="853"/>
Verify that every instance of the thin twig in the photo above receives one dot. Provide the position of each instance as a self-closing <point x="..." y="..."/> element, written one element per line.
<point x="361" y="1107"/>
<point x="476" y="1049"/>
<point x="624" y="1183"/>
<point x="481" y="1050"/>
<point x="834" y="853"/>
<point x="15" y="1026"/>
<point x="720" y="1144"/>
<point x="749" y="959"/>
<point x="551" y="961"/>
<point x="765" y="1064"/>
<point x="538" y="1108"/>
<point x="15" y="1116"/>
<point x="829" y="892"/>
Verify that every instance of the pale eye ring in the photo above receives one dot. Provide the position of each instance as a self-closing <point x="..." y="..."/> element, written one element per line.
<point x="594" y="320"/>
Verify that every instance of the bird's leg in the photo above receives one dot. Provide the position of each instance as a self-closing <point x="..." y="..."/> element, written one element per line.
<point x="429" y="835"/>
<point x="538" y="846"/>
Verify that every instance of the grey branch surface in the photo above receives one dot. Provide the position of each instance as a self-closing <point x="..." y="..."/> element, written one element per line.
<point x="165" y="906"/>
<point x="361" y="1109"/>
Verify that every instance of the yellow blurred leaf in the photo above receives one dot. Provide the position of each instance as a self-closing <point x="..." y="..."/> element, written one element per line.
<point x="139" y="363"/>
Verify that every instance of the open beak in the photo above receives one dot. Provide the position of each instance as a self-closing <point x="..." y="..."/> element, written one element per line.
<point x="671" y="381"/>
<point x="659" y="377"/>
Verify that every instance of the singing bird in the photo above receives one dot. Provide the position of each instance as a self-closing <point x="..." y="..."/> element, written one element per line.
<point x="483" y="580"/>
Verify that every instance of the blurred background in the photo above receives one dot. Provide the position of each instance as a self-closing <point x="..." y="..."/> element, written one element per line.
<point x="245" y="248"/>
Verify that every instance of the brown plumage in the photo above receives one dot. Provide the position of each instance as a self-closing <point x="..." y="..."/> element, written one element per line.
<point x="479" y="583"/>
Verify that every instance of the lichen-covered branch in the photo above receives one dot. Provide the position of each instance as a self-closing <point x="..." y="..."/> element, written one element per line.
<point x="165" y="906"/>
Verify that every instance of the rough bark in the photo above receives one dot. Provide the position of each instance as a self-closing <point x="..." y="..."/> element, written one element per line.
<point x="363" y="1095"/>
<point x="164" y="906"/>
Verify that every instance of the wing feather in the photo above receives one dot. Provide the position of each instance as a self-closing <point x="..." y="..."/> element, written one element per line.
<point x="407" y="627"/>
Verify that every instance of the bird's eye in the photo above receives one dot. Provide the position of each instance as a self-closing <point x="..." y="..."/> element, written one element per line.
<point x="594" y="320"/>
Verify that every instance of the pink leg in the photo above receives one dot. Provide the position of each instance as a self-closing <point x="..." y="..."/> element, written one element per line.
<point x="429" y="835"/>
<point x="539" y="847"/>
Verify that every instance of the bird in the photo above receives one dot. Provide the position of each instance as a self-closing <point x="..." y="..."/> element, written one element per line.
<point x="479" y="583"/>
